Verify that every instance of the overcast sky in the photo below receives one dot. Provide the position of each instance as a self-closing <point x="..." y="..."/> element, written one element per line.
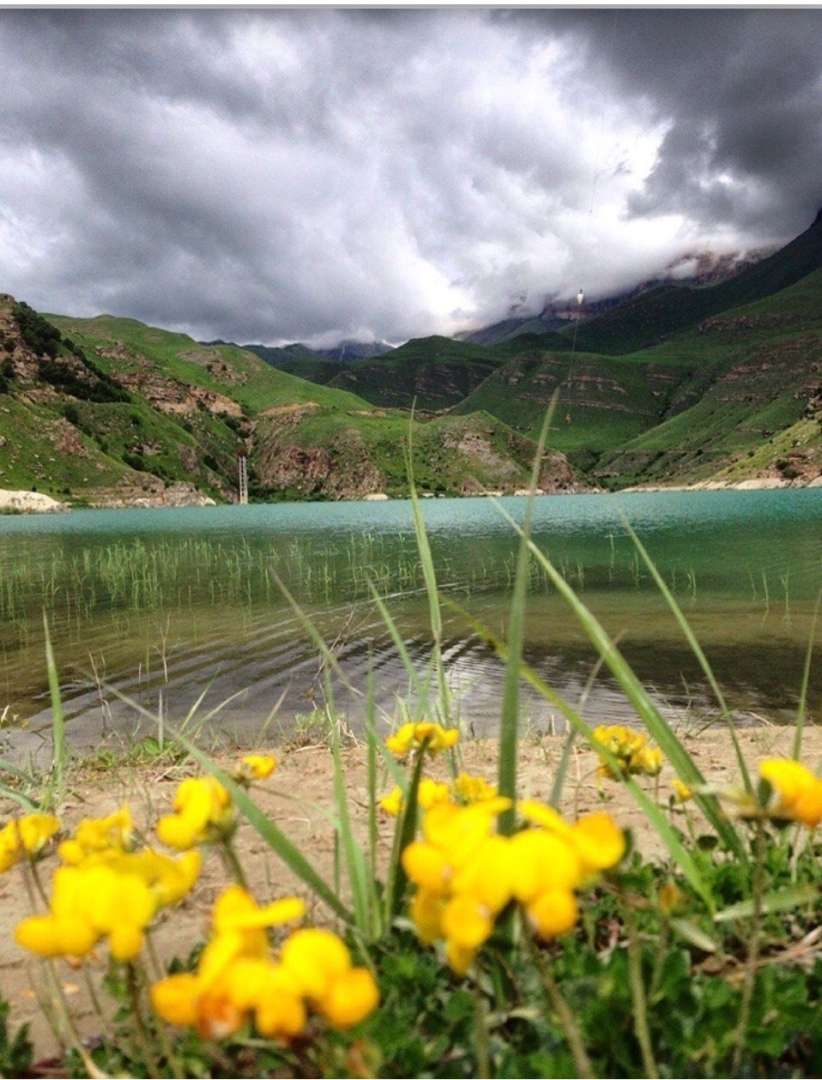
<point x="311" y="174"/>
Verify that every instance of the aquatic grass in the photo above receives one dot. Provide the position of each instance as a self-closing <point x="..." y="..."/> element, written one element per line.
<point x="510" y="709"/>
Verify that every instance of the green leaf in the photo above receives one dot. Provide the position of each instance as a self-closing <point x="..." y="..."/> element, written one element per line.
<point x="694" y="935"/>
<point x="780" y="900"/>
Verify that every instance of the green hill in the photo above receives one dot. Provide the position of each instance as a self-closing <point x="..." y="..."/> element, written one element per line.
<point x="434" y="372"/>
<point x="108" y="411"/>
<point x="676" y="386"/>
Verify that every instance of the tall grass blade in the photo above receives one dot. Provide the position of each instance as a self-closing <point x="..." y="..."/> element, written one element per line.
<point x="17" y="796"/>
<point x="430" y="580"/>
<point x="371" y="782"/>
<point x="58" y="726"/>
<point x="803" y="693"/>
<point x="696" y="648"/>
<point x="636" y="694"/>
<point x="273" y="836"/>
<point x="509" y="716"/>
<point x="417" y="688"/>
<point x="565" y="759"/>
<point x="778" y="900"/>
<point x="362" y="897"/>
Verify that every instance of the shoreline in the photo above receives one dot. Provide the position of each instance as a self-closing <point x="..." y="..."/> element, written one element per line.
<point x="35" y="502"/>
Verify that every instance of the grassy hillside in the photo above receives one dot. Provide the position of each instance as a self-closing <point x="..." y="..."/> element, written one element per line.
<point x="751" y="403"/>
<point x="330" y="454"/>
<point x="107" y="411"/>
<point x="433" y="372"/>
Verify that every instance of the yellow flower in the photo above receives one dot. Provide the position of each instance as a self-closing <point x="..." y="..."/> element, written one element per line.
<point x="391" y="802"/>
<point x="110" y="894"/>
<point x="168" y="879"/>
<point x="114" y="831"/>
<point x="426" y="910"/>
<point x="25" y="837"/>
<point x="466" y="874"/>
<point x="429" y="792"/>
<point x="681" y="791"/>
<point x="471" y="789"/>
<point x="236" y="912"/>
<point x="630" y="749"/>
<point x="599" y="842"/>
<point x="423" y="735"/>
<point x="202" y="814"/>
<point x="255" y="767"/>
<point x="235" y="975"/>
<point x="87" y="904"/>
<point x="797" y="792"/>
<point x="553" y="912"/>
<point x="647" y="761"/>
<point x="543" y="861"/>
<point x="352" y="997"/>
<point x="280" y="1012"/>
<point x="176" y="998"/>
<point x="321" y="965"/>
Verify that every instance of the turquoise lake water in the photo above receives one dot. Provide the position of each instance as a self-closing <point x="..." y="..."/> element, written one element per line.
<point x="182" y="609"/>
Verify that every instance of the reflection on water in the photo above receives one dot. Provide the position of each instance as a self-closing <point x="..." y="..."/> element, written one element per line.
<point x="183" y="610"/>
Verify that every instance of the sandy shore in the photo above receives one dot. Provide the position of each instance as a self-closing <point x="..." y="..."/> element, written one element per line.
<point x="29" y="502"/>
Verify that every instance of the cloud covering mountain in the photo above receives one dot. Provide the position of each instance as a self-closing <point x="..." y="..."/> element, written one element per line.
<point x="314" y="174"/>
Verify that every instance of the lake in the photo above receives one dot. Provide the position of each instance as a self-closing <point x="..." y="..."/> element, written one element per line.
<point x="181" y="611"/>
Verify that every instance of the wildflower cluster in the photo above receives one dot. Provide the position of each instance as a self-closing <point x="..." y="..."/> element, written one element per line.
<point x="108" y="888"/>
<point x="631" y="750"/>
<point x="105" y="889"/>
<point x="464" y="789"/>
<point x="238" y="979"/>
<point x="423" y="735"/>
<point x="466" y="873"/>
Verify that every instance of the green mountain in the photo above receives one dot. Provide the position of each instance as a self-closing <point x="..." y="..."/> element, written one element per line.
<point x="108" y="411"/>
<point x="680" y="385"/>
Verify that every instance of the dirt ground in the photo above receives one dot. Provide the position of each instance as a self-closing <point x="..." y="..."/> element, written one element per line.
<point x="298" y="797"/>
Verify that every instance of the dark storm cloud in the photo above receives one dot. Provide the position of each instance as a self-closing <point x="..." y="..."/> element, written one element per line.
<point x="284" y="174"/>
<point x="742" y="93"/>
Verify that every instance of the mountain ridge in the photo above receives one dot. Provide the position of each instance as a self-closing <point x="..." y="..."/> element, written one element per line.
<point x="675" y="386"/>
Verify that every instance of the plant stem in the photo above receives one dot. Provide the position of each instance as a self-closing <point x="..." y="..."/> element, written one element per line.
<point x="232" y="863"/>
<point x="638" y="997"/>
<point x="142" y="1036"/>
<point x="480" y="1035"/>
<point x="573" y="1036"/>
<point x="757" y="888"/>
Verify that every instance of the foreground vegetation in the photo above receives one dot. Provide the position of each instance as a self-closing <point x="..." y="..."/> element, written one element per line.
<point x="497" y="939"/>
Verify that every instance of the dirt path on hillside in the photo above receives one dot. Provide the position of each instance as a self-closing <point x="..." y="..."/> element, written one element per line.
<point x="297" y="797"/>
